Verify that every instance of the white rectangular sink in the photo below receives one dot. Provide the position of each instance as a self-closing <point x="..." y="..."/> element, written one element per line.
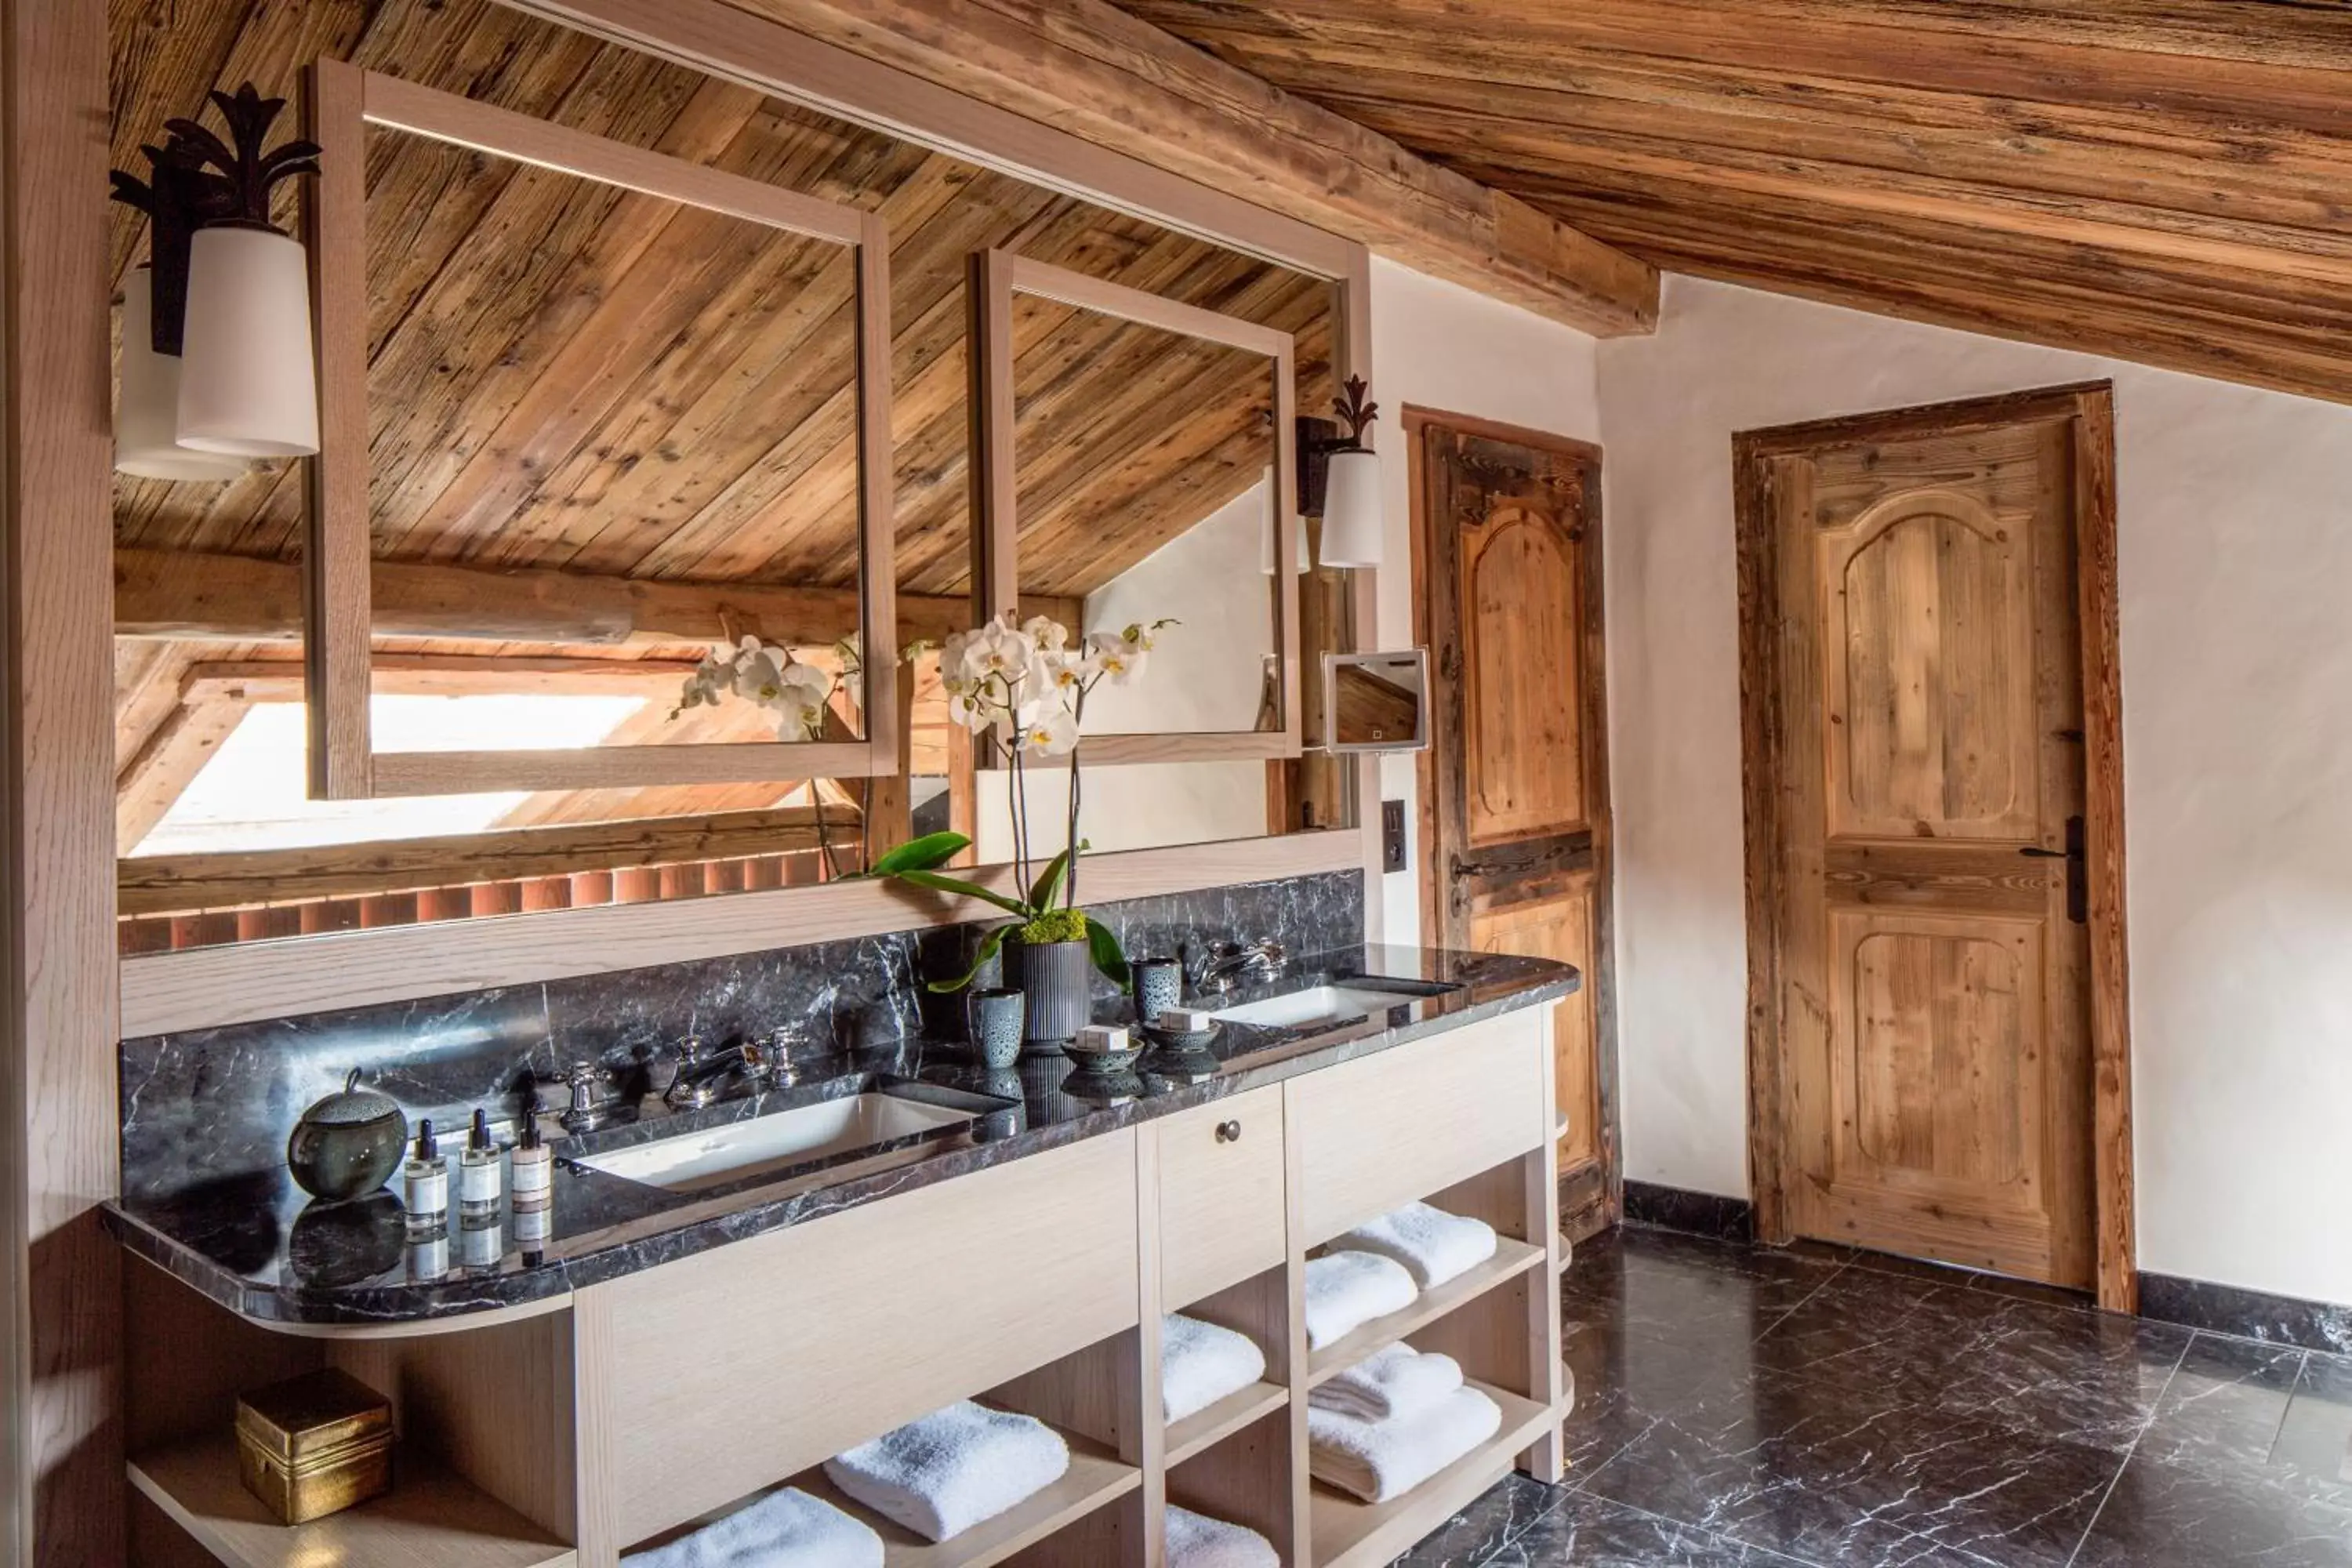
<point x="1315" y="1004"/>
<point x="693" y="1160"/>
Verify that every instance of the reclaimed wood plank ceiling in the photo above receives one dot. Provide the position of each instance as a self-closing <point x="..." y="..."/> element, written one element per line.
<point x="2161" y="180"/>
<point x="569" y="376"/>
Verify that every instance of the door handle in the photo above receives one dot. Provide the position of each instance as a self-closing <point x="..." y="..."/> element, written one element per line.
<point x="2078" y="871"/>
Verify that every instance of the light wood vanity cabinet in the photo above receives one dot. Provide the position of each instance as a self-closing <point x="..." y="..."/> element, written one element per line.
<point x="1220" y="1194"/>
<point x="571" y="1432"/>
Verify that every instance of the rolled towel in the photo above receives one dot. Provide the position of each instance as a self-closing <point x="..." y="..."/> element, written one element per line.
<point x="1377" y="1460"/>
<point x="943" y="1474"/>
<point x="1433" y="1245"/>
<point x="1200" y="1364"/>
<point x="1196" y="1541"/>
<point x="1345" y="1290"/>
<point x="789" y="1529"/>
<point x="1394" y="1383"/>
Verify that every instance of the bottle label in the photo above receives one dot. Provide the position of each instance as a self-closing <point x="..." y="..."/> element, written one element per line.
<point x="477" y="1182"/>
<point x="532" y="1176"/>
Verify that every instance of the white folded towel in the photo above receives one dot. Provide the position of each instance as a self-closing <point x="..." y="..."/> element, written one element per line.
<point x="1196" y="1541"/>
<point x="1377" y="1460"/>
<point x="1200" y="1364"/>
<point x="1345" y="1290"/>
<point x="1394" y="1383"/>
<point x="788" y="1529"/>
<point x="943" y="1474"/>
<point x="1434" y="1245"/>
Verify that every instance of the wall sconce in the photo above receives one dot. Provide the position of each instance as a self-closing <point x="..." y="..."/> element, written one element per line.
<point x="1339" y="479"/>
<point x="217" y="362"/>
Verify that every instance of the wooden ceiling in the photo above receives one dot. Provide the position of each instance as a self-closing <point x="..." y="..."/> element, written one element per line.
<point x="566" y="377"/>
<point x="2163" y="181"/>
<point x="562" y="375"/>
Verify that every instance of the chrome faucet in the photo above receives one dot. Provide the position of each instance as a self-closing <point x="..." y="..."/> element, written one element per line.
<point x="1223" y="966"/>
<point x="591" y="1107"/>
<point x="704" y="1077"/>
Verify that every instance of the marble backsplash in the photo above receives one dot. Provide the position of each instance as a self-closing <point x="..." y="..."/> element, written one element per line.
<point x="221" y="1102"/>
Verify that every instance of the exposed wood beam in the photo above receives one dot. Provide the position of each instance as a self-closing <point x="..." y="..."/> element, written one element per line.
<point x="1088" y="68"/>
<point x="234" y="598"/>
<point x="440" y="675"/>
<point x="170" y="884"/>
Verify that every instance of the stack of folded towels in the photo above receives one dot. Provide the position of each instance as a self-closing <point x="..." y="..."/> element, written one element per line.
<point x="789" y="1529"/>
<point x="943" y="1474"/>
<point x="1392" y="1421"/>
<point x="1196" y="1541"/>
<point x="1432" y="1246"/>
<point x="1200" y="1364"/>
<point x="1345" y="1290"/>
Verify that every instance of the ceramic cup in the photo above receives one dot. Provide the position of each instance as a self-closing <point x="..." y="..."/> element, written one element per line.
<point x="1158" y="985"/>
<point x="995" y="1023"/>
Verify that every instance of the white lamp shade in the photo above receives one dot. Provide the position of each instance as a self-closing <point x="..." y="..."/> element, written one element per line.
<point x="1300" y="550"/>
<point x="146" y="419"/>
<point x="1353" y="520"/>
<point x="248" y="385"/>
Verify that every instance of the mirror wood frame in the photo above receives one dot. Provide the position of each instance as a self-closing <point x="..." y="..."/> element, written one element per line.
<point x="998" y="277"/>
<point x="344" y="102"/>
<point x="207" y="987"/>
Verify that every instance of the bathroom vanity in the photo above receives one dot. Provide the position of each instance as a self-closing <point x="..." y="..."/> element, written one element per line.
<point x="890" y="1231"/>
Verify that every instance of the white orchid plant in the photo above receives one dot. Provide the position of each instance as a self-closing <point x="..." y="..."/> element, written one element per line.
<point x="1022" y="691"/>
<point x="798" y="692"/>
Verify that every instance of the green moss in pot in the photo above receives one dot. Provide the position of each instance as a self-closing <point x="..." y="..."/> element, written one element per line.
<point x="348" y="1144"/>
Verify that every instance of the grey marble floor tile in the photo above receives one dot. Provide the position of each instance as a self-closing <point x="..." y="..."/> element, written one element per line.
<point x="1586" y="1531"/>
<point x="1820" y="1472"/>
<point x="2093" y="1378"/>
<point x="1684" y="1286"/>
<point x="1472" y="1537"/>
<point x="2171" y="1514"/>
<point x="2225" y="1403"/>
<point x="1626" y="1381"/>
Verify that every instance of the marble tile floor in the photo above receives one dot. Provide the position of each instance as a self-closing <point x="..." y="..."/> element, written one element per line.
<point x="1818" y="1406"/>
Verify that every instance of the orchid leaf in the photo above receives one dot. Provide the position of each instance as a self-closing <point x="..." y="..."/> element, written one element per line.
<point x="928" y="853"/>
<point x="1049" y="886"/>
<point x="988" y="946"/>
<point x="1108" y="956"/>
<point x="962" y="889"/>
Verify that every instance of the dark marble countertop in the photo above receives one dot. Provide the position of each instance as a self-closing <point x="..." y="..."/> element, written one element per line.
<point x="257" y="1245"/>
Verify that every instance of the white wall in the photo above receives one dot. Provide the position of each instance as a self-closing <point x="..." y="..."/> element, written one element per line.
<point x="2236" y="565"/>
<point x="1438" y="346"/>
<point x="1206" y="675"/>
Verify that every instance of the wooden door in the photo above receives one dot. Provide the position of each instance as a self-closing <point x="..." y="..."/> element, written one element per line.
<point x="1925" y="796"/>
<point x="1514" y="789"/>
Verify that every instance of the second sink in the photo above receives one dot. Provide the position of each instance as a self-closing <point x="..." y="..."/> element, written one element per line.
<point x="1319" y="1004"/>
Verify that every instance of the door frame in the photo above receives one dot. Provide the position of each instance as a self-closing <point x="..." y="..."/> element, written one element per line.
<point x="2090" y="406"/>
<point x="1592" y="701"/>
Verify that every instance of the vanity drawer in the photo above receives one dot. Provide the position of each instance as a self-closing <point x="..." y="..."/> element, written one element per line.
<point x="1220" y="1194"/>
<point x="1385" y="1130"/>
<point x="723" y="1372"/>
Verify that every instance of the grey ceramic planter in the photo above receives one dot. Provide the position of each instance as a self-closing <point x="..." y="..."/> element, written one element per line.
<point x="1057" y="977"/>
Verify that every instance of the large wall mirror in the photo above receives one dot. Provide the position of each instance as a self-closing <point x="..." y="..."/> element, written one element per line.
<point x="608" y="431"/>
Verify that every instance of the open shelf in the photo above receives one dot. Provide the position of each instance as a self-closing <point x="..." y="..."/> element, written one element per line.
<point x="1096" y="1476"/>
<point x="1511" y="1260"/>
<point x="433" y="1518"/>
<point x="1349" y="1532"/>
<point x="1204" y="1429"/>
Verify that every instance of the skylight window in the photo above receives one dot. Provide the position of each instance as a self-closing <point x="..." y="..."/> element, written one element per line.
<point x="252" y="793"/>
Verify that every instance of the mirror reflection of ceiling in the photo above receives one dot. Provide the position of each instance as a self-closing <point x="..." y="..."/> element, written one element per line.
<point x="492" y="284"/>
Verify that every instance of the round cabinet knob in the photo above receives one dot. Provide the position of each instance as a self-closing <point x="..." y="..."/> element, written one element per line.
<point x="1229" y="1132"/>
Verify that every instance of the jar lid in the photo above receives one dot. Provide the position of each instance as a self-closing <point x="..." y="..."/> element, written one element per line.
<point x="351" y="1105"/>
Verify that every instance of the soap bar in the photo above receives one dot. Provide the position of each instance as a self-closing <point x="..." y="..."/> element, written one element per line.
<point x="1185" y="1021"/>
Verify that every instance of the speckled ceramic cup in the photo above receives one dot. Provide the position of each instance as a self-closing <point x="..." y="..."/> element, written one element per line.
<point x="995" y="1023"/>
<point x="1158" y="985"/>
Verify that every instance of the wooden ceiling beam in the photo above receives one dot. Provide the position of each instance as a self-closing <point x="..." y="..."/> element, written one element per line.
<point x="169" y="761"/>
<point x="171" y="884"/>
<point x="1110" y="78"/>
<point x="234" y="598"/>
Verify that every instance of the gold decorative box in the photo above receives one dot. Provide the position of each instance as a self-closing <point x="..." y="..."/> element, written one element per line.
<point x="314" y="1444"/>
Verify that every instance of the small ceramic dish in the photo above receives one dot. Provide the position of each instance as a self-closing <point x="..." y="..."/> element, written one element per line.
<point x="1101" y="1063"/>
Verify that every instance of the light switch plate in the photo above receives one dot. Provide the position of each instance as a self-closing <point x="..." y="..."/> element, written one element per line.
<point x="1393" y="845"/>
